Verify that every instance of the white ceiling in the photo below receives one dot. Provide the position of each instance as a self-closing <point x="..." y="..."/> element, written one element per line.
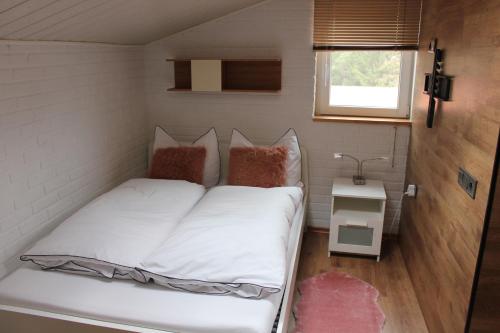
<point x="109" y="21"/>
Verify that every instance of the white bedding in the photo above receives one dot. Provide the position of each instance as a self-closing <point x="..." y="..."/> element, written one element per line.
<point x="233" y="241"/>
<point x="115" y="232"/>
<point x="148" y="306"/>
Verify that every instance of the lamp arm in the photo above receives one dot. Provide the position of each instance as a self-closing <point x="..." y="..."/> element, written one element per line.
<point x="360" y="164"/>
<point x="369" y="159"/>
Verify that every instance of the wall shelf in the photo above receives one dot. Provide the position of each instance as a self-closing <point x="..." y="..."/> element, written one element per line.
<point x="237" y="75"/>
<point x="179" y="89"/>
<point x="235" y="91"/>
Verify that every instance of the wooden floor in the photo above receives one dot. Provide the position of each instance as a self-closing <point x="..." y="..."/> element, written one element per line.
<point x="389" y="276"/>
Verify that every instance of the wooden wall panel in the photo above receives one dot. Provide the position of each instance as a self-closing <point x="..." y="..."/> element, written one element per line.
<point x="441" y="228"/>
<point x="485" y="304"/>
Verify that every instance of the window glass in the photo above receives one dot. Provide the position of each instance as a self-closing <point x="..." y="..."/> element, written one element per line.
<point x="364" y="83"/>
<point x="365" y="79"/>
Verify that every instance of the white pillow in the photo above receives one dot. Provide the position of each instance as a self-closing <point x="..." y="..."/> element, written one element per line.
<point x="208" y="140"/>
<point x="290" y="141"/>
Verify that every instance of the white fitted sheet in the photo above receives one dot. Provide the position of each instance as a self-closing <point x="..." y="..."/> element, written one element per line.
<point x="150" y="306"/>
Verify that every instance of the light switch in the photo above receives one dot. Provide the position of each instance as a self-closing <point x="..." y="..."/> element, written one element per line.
<point x="467" y="182"/>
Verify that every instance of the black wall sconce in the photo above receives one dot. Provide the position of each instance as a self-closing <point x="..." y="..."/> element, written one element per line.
<point x="437" y="85"/>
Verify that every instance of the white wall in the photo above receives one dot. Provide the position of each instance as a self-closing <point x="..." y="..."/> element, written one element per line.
<point x="72" y="125"/>
<point x="72" y="116"/>
<point x="276" y="28"/>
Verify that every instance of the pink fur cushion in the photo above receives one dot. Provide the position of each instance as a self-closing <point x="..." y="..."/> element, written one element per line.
<point x="258" y="166"/>
<point x="179" y="163"/>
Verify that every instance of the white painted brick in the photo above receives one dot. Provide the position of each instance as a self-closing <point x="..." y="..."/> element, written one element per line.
<point x="33" y="222"/>
<point x="62" y="206"/>
<point x="8" y="105"/>
<point x="13" y="250"/>
<point x="3" y="269"/>
<point x="59" y="105"/>
<point x="5" y="75"/>
<point x="27" y="197"/>
<point x="55" y="183"/>
<point x="9" y="238"/>
<point x="13" y="60"/>
<point x="45" y="202"/>
<point x="284" y="31"/>
<point x="81" y="101"/>
<point x="18" y="170"/>
<point x="6" y="203"/>
<point x="27" y="74"/>
<point x="41" y="177"/>
<point x="16" y="119"/>
<point x="9" y="221"/>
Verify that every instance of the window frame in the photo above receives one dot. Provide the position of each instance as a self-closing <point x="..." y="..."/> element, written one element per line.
<point x="322" y="95"/>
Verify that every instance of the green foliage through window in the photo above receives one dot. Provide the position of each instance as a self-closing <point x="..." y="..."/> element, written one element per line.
<point x="365" y="68"/>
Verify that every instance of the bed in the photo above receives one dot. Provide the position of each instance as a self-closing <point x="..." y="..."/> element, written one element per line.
<point x="57" y="301"/>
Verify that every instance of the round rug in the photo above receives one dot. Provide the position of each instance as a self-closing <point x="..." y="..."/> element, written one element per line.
<point x="336" y="302"/>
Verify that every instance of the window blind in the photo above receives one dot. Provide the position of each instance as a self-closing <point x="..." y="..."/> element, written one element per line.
<point x="366" y="24"/>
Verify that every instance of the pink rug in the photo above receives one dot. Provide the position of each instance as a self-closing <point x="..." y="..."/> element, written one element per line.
<point x="336" y="302"/>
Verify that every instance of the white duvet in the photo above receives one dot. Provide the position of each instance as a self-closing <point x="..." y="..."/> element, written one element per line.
<point x="233" y="241"/>
<point x="115" y="232"/>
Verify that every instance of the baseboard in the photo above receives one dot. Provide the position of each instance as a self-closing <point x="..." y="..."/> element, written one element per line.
<point x="318" y="230"/>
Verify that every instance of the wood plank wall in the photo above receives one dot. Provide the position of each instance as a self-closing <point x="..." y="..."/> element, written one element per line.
<point x="485" y="310"/>
<point x="441" y="228"/>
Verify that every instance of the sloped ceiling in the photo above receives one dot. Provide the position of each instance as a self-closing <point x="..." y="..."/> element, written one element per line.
<point x="108" y="21"/>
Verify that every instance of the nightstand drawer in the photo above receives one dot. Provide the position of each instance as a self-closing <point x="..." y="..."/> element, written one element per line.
<point x="362" y="236"/>
<point x="352" y="239"/>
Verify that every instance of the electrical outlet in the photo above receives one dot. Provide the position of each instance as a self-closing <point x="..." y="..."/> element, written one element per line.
<point x="411" y="191"/>
<point x="467" y="182"/>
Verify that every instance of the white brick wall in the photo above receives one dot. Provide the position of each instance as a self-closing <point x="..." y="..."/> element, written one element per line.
<point x="276" y="28"/>
<point x="72" y="117"/>
<point x="72" y="125"/>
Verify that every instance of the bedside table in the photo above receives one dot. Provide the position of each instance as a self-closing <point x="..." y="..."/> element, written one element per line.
<point x="357" y="217"/>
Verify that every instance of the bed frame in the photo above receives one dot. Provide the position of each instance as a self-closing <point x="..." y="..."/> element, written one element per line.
<point x="26" y="320"/>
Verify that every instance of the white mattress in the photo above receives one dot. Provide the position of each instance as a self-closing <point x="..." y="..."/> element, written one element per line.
<point x="149" y="306"/>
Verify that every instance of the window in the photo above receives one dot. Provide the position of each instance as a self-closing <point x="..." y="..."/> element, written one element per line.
<point x="375" y="83"/>
<point x="365" y="56"/>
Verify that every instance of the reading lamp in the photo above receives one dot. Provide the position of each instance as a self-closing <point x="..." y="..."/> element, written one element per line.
<point x="358" y="179"/>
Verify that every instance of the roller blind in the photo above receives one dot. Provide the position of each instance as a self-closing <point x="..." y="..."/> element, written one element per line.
<point x="366" y="24"/>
